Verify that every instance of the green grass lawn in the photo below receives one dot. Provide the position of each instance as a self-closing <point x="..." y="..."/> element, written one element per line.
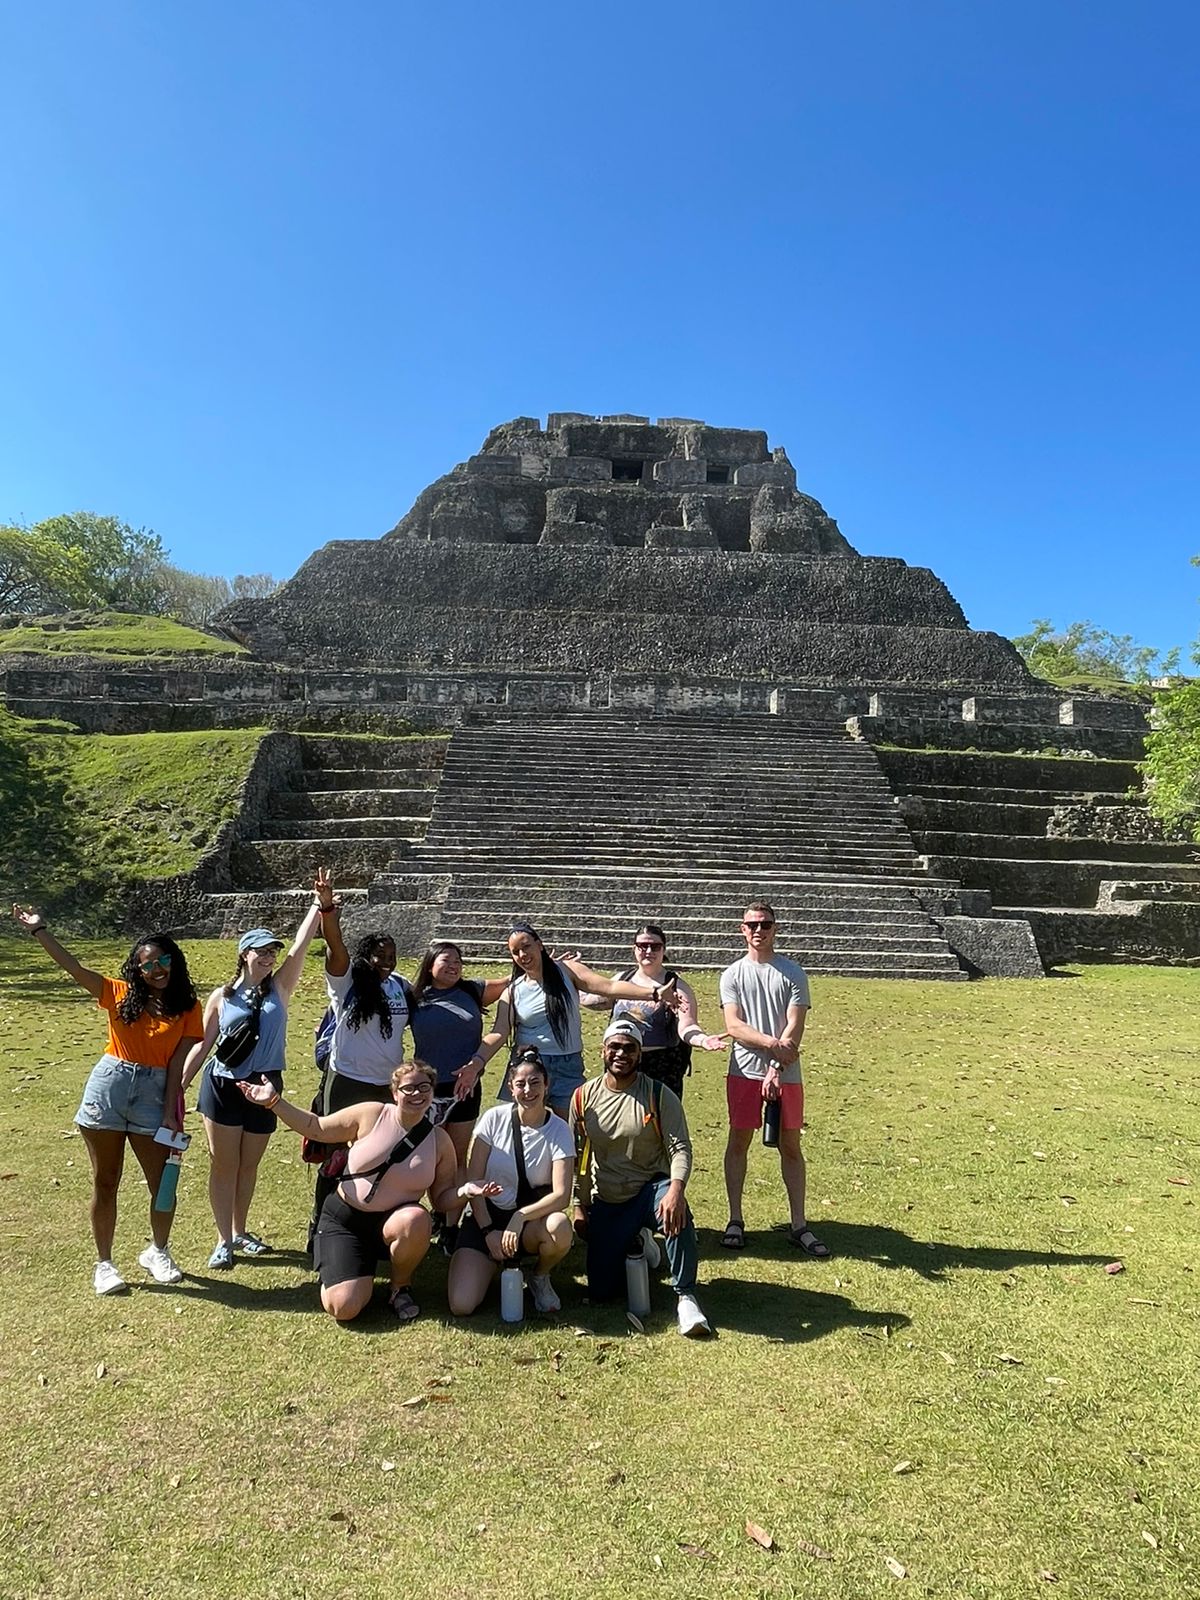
<point x="113" y="633"/>
<point x="81" y="814"/>
<point x="977" y="1154"/>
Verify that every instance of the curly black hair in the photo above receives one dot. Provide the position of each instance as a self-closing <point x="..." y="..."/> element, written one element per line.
<point x="367" y="998"/>
<point x="178" y="996"/>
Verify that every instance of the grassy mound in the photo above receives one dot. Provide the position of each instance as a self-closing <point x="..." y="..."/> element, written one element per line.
<point x="112" y="633"/>
<point x="962" y="1390"/>
<point x="80" y="815"/>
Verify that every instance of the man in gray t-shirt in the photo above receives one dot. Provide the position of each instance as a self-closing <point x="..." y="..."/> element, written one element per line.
<point x="765" y="999"/>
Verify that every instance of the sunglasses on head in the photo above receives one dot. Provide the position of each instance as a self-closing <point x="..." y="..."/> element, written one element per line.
<point x="751" y="927"/>
<point x="163" y="961"/>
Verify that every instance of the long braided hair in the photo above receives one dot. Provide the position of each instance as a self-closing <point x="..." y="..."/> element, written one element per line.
<point x="178" y="996"/>
<point x="367" y="998"/>
<point x="554" y="987"/>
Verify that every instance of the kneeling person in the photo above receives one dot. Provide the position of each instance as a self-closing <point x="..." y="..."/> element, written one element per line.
<point x="396" y="1157"/>
<point x="528" y="1155"/>
<point x="634" y="1161"/>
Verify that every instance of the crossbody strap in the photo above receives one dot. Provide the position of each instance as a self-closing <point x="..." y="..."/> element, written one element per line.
<point x="400" y="1151"/>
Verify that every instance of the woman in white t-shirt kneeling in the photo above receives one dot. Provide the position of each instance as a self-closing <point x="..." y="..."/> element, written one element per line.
<point x="527" y="1218"/>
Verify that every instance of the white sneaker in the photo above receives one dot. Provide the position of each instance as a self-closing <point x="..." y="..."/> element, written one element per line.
<point x="650" y="1249"/>
<point x="107" y="1280"/>
<point x="157" y="1262"/>
<point x="693" y="1324"/>
<point x="545" y="1302"/>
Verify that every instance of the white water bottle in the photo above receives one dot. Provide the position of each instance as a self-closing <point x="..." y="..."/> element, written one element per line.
<point x="512" y="1295"/>
<point x="637" y="1284"/>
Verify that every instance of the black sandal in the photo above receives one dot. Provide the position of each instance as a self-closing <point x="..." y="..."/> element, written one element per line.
<point x="805" y="1239"/>
<point x="734" y="1237"/>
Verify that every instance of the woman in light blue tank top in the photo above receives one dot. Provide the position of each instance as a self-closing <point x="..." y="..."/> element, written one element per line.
<point x="237" y="1130"/>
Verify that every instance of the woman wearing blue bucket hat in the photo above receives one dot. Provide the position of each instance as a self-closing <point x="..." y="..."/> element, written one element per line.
<point x="245" y="1031"/>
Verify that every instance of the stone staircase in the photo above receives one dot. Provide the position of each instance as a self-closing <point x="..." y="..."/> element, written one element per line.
<point x="355" y="805"/>
<point x="589" y="822"/>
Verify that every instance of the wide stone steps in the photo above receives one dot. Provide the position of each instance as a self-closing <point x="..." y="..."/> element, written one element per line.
<point x="881" y="963"/>
<point x="381" y="802"/>
<point x="977" y="793"/>
<point x="1032" y="847"/>
<point x="318" y="828"/>
<point x="661" y="832"/>
<point x="833" y="863"/>
<point x="366" y="778"/>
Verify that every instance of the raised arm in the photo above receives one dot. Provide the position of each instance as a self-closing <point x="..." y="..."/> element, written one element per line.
<point x="493" y="988"/>
<point x="287" y="975"/>
<point x="589" y="982"/>
<point x="690" y="1029"/>
<point x="34" y="924"/>
<point x="337" y="957"/>
<point x="339" y="1127"/>
<point x="198" y="1051"/>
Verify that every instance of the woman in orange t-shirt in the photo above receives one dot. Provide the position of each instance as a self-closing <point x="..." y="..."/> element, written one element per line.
<point x="153" y="1020"/>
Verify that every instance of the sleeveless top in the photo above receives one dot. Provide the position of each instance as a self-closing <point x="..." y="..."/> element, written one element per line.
<point x="659" y="1024"/>
<point x="528" y="1000"/>
<point x="405" y="1182"/>
<point x="267" y="1055"/>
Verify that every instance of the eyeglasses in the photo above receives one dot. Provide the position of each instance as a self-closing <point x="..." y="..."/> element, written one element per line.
<point x="752" y="927"/>
<point x="163" y="961"/>
<point x="647" y="944"/>
<point x="414" y="1089"/>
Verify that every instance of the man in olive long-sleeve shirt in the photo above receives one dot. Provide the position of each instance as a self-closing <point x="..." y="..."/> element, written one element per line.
<point x="636" y="1160"/>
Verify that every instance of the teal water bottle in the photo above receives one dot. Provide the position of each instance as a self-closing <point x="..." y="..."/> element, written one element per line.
<point x="164" y="1200"/>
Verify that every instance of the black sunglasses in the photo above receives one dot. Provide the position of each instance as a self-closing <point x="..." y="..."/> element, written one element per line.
<point x="751" y="926"/>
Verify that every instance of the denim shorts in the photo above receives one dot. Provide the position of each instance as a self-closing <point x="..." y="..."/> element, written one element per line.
<point x="566" y="1074"/>
<point x="122" y="1097"/>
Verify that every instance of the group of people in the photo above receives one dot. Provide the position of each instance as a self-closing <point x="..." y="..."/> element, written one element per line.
<point x="406" y="1154"/>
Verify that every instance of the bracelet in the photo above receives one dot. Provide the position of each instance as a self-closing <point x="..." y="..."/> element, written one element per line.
<point x="654" y="994"/>
<point x="271" y="1104"/>
<point x="327" y="911"/>
<point x="41" y="928"/>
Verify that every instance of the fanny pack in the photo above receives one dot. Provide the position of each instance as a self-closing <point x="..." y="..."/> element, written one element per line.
<point x="236" y="1045"/>
<point x="400" y="1151"/>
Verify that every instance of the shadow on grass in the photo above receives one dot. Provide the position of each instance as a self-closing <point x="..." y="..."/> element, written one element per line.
<point x="933" y="1258"/>
<point x="791" y="1316"/>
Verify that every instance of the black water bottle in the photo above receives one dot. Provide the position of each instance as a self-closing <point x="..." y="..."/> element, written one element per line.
<point x="772" y="1109"/>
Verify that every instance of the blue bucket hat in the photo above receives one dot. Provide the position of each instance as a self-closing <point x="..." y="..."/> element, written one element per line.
<point x="258" y="939"/>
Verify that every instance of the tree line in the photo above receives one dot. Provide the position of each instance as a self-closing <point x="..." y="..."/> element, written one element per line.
<point x="82" y="561"/>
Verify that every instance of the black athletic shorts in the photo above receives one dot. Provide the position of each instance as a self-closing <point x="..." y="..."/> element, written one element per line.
<point x="349" y="1243"/>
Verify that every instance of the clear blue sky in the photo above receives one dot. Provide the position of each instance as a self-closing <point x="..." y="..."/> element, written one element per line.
<point x="271" y="268"/>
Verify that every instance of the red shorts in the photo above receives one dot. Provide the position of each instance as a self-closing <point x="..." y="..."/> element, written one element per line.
<point x="745" y="1100"/>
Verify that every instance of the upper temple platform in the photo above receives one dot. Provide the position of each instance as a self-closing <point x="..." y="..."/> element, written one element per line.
<point x="611" y="543"/>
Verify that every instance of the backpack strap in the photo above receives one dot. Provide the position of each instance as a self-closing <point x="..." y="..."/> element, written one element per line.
<point x="583" y="1145"/>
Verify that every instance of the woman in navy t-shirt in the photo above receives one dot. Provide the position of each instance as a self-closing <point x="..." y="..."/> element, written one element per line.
<point x="446" y="1022"/>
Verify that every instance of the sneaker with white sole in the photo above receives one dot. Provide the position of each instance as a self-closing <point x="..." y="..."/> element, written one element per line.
<point x="651" y="1250"/>
<point x="222" y="1257"/>
<point x="693" y="1324"/>
<point x="158" y="1263"/>
<point x="107" y="1280"/>
<point x="545" y="1302"/>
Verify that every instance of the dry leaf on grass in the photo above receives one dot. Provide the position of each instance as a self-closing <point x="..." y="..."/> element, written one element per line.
<point x="1150" y="1539"/>
<point x="387" y="1466"/>
<point x="614" y="1478"/>
<point x="1013" y="1361"/>
<point x="896" y="1568"/>
<point x="759" y="1535"/>
<point x="414" y="1402"/>
<point x="902" y="1467"/>
<point x="1184" y="1183"/>
<point x="696" y="1550"/>
<point x="43" y="1381"/>
<point x="1114" y="1267"/>
<point x="525" y="1361"/>
<point x="443" y="1382"/>
<point x="583" y="1333"/>
<point x="101" y="1370"/>
<point x="176" y="1481"/>
<point x="1047" y="1576"/>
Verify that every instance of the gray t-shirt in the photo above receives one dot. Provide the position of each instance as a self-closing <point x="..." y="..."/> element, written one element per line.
<point x="763" y="991"/>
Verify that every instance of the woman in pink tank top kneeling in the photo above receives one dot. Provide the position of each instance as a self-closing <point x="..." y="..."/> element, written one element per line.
<point x="396" y="1158"/>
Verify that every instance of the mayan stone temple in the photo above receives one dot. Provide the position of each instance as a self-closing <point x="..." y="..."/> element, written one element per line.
<point x="616" y="669"/>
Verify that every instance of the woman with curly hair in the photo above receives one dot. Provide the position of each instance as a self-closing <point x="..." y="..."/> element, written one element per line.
<point x="153" y="1020"/>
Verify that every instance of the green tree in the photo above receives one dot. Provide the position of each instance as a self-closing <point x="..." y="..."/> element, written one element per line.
<point x="37" y="573"/>
<point x="192" y="597"/>
<point x="1172" y="764"/>
<point x="1085" y="651"/>
<point x="122" y="563"/>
